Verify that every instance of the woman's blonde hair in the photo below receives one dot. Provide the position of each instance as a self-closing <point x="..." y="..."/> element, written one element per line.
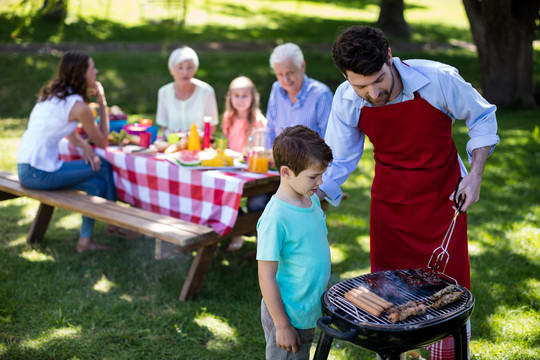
<point x="241" y="82"/>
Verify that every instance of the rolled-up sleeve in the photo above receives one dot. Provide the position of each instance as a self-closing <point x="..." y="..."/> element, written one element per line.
<point x="463" y="102"/>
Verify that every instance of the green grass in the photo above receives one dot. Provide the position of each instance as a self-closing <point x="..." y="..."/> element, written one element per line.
<point x="123" y="304"/>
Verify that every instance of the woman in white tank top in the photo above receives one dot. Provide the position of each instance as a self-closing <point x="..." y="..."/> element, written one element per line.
<point x="62" y="105"/>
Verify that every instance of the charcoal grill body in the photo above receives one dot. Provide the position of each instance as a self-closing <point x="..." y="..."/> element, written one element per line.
<point x="390" y="340"/>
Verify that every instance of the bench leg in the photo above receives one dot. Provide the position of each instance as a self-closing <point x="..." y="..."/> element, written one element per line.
<point x="40" y="224"/>
<point x="197" y="271"/>
<point x="7" y="196"/>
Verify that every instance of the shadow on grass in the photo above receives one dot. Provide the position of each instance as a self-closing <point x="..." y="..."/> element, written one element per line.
<point x="121" y="303"/>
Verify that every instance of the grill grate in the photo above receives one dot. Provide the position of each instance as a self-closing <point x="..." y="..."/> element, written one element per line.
<point x="343" y="307"/>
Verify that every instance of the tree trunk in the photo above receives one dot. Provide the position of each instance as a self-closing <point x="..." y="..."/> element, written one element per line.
<point x="54" y="10"/>
<point x="391" y="19"/>
<point x="503" y="31"/>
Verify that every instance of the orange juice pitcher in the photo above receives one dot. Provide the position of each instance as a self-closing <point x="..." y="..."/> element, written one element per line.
<point x="258" y="151"/>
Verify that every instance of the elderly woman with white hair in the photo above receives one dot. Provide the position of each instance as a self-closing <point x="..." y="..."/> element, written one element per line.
<point x="295" y="98"/>
<point x="186" y="100"/>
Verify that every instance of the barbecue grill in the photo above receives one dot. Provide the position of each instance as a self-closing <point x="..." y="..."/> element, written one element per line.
<point x="345" y="321"/>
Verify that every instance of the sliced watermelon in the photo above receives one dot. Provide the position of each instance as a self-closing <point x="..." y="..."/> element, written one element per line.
<point x="188" y="158"/>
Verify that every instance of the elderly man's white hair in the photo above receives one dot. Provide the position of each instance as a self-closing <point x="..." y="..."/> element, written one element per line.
<point x="287" y="51"/>
<point x="182" y="54"/>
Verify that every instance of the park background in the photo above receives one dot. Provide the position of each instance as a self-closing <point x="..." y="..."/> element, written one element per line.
<point x="122" y="304"/>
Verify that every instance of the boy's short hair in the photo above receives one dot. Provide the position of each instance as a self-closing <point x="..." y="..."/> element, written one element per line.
<point x="298" y="147"/>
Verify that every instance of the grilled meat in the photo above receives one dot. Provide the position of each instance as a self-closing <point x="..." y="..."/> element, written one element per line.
<point x="418" y="309"/>
<point x="442" y="292"/>
<point x="447" y="299"/>
<point x="383" y="286"/>
<point x="418" y="278"/>
<point x="398" y="308"/>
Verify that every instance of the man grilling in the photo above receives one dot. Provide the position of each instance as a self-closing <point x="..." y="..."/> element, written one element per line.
<point x="407" y="108"/>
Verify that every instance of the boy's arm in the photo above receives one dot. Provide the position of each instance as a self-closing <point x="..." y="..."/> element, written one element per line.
<point x="287" y="337"/>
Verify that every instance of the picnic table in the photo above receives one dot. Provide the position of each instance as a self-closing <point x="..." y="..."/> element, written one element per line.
<point x="204" y="197"/>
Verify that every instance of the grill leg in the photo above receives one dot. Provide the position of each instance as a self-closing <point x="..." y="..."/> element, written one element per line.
<point x="461" y="346"/>
<point x="323" y="347"/>
<point x="393" y="355"/>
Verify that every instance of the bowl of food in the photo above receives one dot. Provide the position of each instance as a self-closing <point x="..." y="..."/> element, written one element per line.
<point x="134" y="129"/>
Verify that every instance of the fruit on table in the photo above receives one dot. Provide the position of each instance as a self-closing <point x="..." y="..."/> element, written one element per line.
<point x="188" y="158"/>
<point x="221" y="159"/>
<point x="194" y="141"/>
<point x="120" y="138"/>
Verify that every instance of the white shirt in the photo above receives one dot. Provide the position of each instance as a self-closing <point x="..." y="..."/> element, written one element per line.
<point x="178" y="115"/>
<point x="48" y="124"/>
<point x="439" y="84"/>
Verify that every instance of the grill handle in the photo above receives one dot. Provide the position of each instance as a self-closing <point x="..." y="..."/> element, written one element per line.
<point x="323" y="323"/>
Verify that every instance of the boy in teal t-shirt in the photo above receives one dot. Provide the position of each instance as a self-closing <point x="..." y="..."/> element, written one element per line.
<point x="292" y="247"/>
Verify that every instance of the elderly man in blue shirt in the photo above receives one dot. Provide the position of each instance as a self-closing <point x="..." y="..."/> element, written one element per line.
<point x="295" y="98"/>
<point x="407" y="109"/>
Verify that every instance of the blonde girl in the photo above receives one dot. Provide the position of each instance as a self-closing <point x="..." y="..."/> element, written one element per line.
<point x="242" y="113"/>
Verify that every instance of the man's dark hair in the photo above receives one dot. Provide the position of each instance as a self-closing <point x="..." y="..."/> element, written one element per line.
<point x="360" y="49"/>
<point x="299" y="147"/>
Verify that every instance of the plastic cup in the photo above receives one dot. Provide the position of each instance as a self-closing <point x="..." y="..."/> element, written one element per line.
<point x="173" y="138"/>
<point x="145" y="139"/>
<point x="221" y="143"/>
<point x="258" y="163"/>
<point x="146" y="122"/>
<point x="154" y="131"/>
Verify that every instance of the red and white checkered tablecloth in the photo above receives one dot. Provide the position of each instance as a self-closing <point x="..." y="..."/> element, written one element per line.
<point x="206" y="197"/>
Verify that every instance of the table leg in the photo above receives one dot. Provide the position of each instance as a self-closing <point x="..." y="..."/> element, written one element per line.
<point x="40" y="224"/>
<point x="197" y="271"/>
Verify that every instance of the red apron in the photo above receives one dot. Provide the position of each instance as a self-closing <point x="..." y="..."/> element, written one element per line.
<point x="416" y="170"/>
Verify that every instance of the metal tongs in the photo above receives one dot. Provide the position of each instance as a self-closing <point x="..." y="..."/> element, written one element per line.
<point x="440" y="255"/>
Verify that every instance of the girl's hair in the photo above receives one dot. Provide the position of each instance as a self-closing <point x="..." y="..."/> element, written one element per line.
<point x="71" y="78"/>
<point x="285" y="52"/>
<point x="241" y="82"/>
<point x="182" y="54"/>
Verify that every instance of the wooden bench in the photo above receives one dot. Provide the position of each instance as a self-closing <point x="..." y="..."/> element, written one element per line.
<point x="186" y="235"/>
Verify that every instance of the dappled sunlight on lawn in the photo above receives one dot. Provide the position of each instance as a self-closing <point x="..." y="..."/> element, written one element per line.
<point x="500" y="350"/>
<point x="18" y="242"/>
<point x="225" y="262"/>
<point x="104" y="285"/>
<point x="222" y="333"/>
<point x="36" y="256"/>
<point x="525" y="238"/>
<point x="515" y="324"/>
<point x="354" y="273"/>
<point x="127" y="298"/>
<point x="68" y="221"/>
<point x="51" y="336"/>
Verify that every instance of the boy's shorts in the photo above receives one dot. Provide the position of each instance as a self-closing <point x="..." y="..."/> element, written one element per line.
<point x="273" y="352"/>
